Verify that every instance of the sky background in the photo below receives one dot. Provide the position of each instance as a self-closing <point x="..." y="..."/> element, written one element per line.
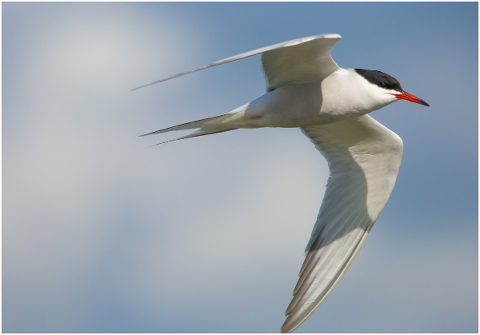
<point x="103" y="233"/>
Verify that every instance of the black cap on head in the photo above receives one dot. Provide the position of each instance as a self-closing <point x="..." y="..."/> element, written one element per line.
<point x="381" y="79"/>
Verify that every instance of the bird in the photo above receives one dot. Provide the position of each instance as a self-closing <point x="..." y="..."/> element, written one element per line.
<point x="306" y="89"/>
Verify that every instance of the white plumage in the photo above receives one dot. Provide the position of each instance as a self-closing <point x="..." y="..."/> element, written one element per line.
<point x="307" y="89"/>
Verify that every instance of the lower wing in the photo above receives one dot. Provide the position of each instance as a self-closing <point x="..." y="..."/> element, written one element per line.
<point x="364" y="158"/>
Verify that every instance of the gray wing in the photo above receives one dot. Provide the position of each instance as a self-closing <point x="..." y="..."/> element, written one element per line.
<point x="288" y="62"/>
<point x="364" y="158"/>
<point x="300" y="62"/>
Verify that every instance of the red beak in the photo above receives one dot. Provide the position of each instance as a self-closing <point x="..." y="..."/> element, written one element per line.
<point x="411" y="97"/>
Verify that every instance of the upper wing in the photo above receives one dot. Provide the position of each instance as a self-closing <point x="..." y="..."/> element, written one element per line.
<point x="293" y="61"/>
<point x="299" y="61"/>
<point x="364" y="158"/>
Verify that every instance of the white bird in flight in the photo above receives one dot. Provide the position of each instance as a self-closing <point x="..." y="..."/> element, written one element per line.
<point x="306" y="89"/>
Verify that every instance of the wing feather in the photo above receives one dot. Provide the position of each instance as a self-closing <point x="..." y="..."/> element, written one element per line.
<point x="364" y="158"/>
<point x="314" y="51"/>
<point x="300" y="63"/>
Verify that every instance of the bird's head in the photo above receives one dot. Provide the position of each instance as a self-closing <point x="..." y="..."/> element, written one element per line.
<point x="387" y="87"/>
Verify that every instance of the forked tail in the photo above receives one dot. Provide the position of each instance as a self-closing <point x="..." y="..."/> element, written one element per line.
<point x="212" y="125"/>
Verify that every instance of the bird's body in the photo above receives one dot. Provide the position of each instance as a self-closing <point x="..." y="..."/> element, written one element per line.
<point x="314" y="103"/>
<point x="306" y="89"/>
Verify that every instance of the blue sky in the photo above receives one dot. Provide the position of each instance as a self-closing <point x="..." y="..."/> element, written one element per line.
<point x="102" y="233"/>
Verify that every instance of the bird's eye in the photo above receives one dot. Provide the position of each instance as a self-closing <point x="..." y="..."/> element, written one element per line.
<point x="383" y="84"/>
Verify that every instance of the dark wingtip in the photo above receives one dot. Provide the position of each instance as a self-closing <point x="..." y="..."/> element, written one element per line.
<point x="139" y="87"/>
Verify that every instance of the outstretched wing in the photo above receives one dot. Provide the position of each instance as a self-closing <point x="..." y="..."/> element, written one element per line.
<point x="301" y="60"/>
<point x="364" y="158"/>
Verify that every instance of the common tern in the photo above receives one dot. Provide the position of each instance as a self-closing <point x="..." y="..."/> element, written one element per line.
<point x="306" y="89"/>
